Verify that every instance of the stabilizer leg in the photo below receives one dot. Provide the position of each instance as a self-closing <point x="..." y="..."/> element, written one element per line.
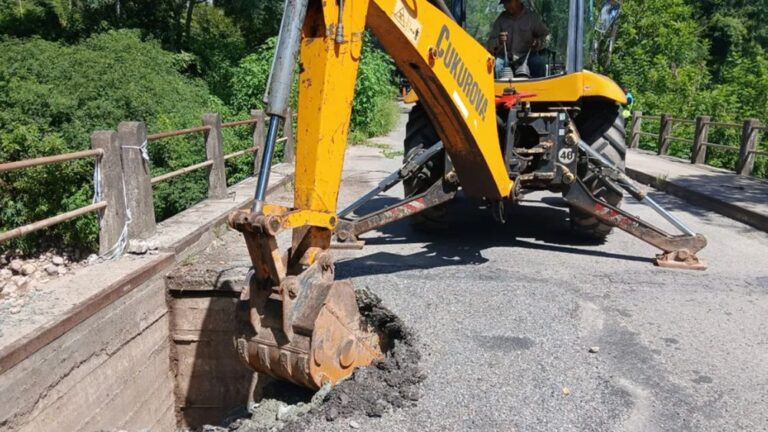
<point x="679" y="251"/>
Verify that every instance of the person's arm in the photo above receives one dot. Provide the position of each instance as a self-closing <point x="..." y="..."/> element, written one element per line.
<point x="493" y="37"/>
<point x="539" y="32"/>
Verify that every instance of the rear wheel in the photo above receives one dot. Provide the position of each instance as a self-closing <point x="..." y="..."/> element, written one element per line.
<point x="601" y="125"/>
<point x="421" y="135"/>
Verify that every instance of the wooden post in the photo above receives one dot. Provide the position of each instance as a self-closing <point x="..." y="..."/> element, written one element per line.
<point x="112" y="218"/>
<point x="289" y="149"/>
<point x="748" y="146"/>
<point x="258" y="138"/>
<point x="665" y="128"/>
<point x="217" y="174"/>
<point x="634" y="133"/>
<point x="700" y="138"/>
<point x="138" y="187"/>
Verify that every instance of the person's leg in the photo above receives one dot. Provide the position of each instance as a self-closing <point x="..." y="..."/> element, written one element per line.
<point x="499" y="66"/>
<point x="537" y="65"/>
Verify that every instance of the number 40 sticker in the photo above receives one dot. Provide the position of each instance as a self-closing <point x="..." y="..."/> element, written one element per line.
<point x="566" y="155"/>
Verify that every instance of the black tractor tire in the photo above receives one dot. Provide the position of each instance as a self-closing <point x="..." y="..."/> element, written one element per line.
<point x="420" y="134"/>
<point x="601" y="125"/>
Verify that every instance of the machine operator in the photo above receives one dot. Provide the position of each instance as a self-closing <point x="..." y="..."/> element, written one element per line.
<point x="523" y="33"/>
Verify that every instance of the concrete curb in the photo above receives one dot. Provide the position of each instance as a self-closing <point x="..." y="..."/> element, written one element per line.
<point x="188" y="231"/>
<point x="730" y="210"/>
<point x="137" y="270"/>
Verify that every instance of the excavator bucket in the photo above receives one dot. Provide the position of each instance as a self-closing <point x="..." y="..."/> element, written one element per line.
<point x="304" y="328"/>
<point x="324" y="341"/>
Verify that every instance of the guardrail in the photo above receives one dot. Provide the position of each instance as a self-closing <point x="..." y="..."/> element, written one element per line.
<point x="748" y="146"/>
<point x="122" y="180"/>
<point x="96" y="153"/>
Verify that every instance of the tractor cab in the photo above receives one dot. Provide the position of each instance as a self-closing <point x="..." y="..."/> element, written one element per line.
<point x="580" y="35"/>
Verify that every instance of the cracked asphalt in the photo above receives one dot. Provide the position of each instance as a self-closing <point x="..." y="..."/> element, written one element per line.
<point x="506" y="316"/>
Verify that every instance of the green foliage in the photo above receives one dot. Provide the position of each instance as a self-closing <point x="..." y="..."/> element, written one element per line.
<point x="249" y="81"/>
<point x="692" y="58"/>
<point x="661" y="56"/>
<point x="54" y="95"/>
<point x="373" y="109"/>
<point x="218" y="45"/>
<point x="480" y="17"/>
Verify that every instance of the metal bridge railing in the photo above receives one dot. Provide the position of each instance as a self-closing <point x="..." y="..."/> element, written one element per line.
<point x="122" y="180"/>
<point x="748" y="148"/>
<point x="97" y="205"/>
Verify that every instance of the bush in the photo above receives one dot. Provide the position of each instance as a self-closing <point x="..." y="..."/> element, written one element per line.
<point x="54" y="95"/>
<point x="373" y="110"/>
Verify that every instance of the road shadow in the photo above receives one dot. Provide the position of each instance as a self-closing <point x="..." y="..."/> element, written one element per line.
<point x="531" y="225"/>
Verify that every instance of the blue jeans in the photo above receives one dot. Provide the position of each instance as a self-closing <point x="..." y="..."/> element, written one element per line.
<point x="536" y="64"/>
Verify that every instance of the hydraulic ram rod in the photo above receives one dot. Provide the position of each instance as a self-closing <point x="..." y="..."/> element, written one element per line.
<point x="279" y="88"/>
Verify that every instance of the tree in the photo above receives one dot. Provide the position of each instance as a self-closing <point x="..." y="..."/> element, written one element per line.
<point x="54" y="95"/>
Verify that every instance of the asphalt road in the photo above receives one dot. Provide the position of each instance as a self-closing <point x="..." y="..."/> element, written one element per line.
<point x="506" y="316"/>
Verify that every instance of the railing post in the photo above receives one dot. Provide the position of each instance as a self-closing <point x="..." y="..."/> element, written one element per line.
<point x="748" y="147"/>
<point x="289" y="149"/>
<point x="132" y="137"/>
<point x="258" y="138"/>
<point x="634" y="133"/>
<point x="700" y="138"/>
<point x="217" y="174"/>
<point x="111" y="218"/>
<point x="665" y="128"/>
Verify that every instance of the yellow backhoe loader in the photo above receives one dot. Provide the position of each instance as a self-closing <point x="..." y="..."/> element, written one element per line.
<point x="493" y="138"/>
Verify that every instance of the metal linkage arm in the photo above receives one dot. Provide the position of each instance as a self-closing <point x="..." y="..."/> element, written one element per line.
<point x="410" y="167"/>
<point x="347" y="230"/>
<point x="627" y="184"/>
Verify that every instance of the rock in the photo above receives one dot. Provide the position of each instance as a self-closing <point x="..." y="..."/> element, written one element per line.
<point x="16" y="266"/>
<point x="5" y="274"/>
<point x="28" y="269"/>
<point x="21" y="282"/>
<point x="332" y="414"/>
<point x="354" y="425"/>
<point x="566" y="391"/>
<point x="63" y="270"/>
<point x="57" y="260"/>
<point x="92" y="258"/>
<point x="594" y="349"/>
<point x="378" y="409"/>
<point x="51" y="269"/>
<point x="15" y="310"/>
<point x="10" y="289"/>
<point x="138" y="247"/>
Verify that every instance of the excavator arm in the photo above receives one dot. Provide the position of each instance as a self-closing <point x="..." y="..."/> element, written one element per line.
<point x="305" y="327"/>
